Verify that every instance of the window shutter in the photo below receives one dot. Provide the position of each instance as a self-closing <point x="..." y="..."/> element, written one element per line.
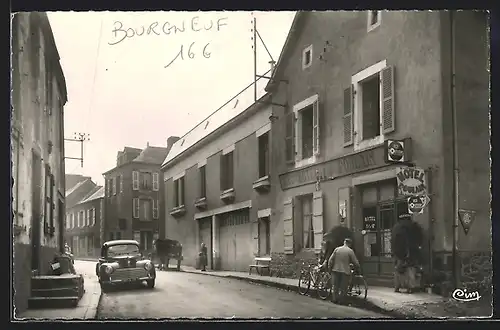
<point x="135" y="180"/>
<point x="318" y="220"/>
<point x="93" y="217"/>
<point x="52" y="203"/>
<point x="155" y="182"/>
<point x="255" y="235"/>
<point x="114" y="185"/>
<point x="288" y="226"/>
<point x="290" y="137"/>
<point x="230" y="171"/>
<point x="221" y="172"/>
<point x="155" y="209"/>
<point x="121" y="183"/>
<point x="181" y="192"/>
<point x="87" y="218"/>
<point x="316" y="134"/>
<point x="348" y="116"/>
<point x="388" y="111"/>
<point x="136" y="208"/>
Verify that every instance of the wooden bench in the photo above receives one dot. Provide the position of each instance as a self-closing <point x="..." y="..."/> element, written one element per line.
<point x="260" y="263"/>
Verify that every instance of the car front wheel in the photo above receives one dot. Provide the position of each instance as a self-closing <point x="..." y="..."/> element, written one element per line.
<point x="151" y="283"/>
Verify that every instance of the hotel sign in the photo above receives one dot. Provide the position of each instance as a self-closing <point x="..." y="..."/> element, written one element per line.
<point x="362" y="161"/>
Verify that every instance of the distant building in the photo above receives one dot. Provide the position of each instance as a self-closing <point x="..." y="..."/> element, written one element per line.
<point x="219" y="189"/>
<point x="83" y="224"/>
<point x="38" y="191"/>
<point x="133" y="195"/>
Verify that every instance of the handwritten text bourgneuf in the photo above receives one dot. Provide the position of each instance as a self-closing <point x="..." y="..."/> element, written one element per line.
<point x="350" y="164"/>
<point x="121" y="32"/>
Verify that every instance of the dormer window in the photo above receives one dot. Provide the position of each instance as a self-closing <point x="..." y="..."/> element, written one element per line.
<point x="374" y="17"/>
<point x="307" y="57"/>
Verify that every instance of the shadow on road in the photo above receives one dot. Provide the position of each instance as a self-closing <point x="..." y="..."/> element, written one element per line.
<point x="135" y="288"/>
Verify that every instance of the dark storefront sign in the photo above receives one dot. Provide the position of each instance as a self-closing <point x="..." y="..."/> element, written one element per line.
<point x="362" y="161"/>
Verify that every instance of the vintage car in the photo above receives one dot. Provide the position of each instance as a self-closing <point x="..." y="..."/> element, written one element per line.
<point x="166" y="249"/>
<point x="122" y="262"/>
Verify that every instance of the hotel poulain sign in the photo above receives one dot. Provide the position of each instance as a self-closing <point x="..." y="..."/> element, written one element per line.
<point x="411" y="181"/>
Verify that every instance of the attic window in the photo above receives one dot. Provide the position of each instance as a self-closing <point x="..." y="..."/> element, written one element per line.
<point x="182" y="143"/>
<point x="206" y="124"/>
<point x="307" y="57"/>
<point x="373" y="19"/>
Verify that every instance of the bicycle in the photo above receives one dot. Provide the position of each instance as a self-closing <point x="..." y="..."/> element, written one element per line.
<point x="320" y="280"/>
<point x="357" y="285"/>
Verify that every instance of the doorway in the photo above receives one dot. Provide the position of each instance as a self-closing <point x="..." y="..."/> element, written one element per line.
<point x="36" y="193"/>
<point x="264" y="237"/>
<point x="205" y="230"/>
<point x="60" y="224"/>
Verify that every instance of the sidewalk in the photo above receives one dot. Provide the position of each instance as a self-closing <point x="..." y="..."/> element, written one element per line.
<point x="86" y="309"/>
<point x="379" y="299"/>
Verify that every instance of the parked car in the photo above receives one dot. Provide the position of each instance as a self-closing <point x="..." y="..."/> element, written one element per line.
<point x="122" y="262"/>
<point x="166" y="249"/>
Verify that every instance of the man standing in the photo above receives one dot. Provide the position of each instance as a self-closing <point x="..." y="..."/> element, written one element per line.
<point x="340" y="263"/>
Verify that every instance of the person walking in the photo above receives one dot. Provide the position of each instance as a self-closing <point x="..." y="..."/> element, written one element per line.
<point x="340" y="263"/>
<point x="203" y="257"/>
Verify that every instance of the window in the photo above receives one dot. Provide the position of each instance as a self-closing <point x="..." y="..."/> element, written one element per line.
<point x="263" y="155"/>
<point x="146" y="241"/>
<point x="373" y="19"/>
<point x="81" y="214"/>
<point x="118" y="235"/>
<point x="155" y="209"/>
<point x="87" y="218"/>
<point x="290" y="136"/>
<point x="109" y="187"/>
<point x="120" y="183"/>
<point x="307" y="131"/>
<point x="179" y="192"/>
<point x="146" y="182"/>
<point x="369" y="111"/>
<point x="122" y="224"/>
<point x="307" y="57"/>
<point x="135" y="206"/>
<point x="306" y="204"/>
<point x="111" y="236"/>
<point x="92" y="218"/>
<point x="135" y="180"/>
<point x="203" y="182"/>
<point x="156" y="181"/>
<point x="114" y="185"/>
<point x="145" y="209"/>
<point x="72" y="220"/>
<point x="226" y="171"/>
<point x="49" y="198"/>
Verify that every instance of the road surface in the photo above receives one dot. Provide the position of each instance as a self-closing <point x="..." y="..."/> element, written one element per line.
<point x="186" y="295"/>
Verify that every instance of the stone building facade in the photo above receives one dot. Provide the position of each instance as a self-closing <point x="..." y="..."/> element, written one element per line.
<point x="38" y="185"/>
<point x="369" y="77"/>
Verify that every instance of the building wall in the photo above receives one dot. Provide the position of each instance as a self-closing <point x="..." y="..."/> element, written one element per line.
<point x="85" y="231"/>
<point x="415" y="43"/>
<point x="35" y="122"/>
<point x="243" y="135"/>
<point x="120" y="206"/>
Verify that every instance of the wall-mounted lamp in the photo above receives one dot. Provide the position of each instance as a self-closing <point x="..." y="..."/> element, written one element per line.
<point x="272" y="118"/>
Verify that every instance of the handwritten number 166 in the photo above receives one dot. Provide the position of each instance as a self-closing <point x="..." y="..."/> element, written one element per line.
<point x="190" y="53"/>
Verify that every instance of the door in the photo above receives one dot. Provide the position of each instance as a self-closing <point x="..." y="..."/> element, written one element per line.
<point x="205" y="226"/>
<point x="36" y="216"/>
<point x="264" y="237"/>
<point x="236" y="241"/>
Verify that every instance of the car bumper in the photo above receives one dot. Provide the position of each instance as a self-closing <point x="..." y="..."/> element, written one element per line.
<point x="128" y="280"/>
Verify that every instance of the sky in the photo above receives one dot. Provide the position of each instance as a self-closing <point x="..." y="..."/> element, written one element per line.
<point x="139" y="77"/>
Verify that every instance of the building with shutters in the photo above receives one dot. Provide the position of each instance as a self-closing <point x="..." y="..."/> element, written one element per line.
<point x="219" y="190"/>
<point x="367" y="77"/>
<point x="37" y="136"/>
<point x="83" y="224"/>
<point x="132" y="196"/>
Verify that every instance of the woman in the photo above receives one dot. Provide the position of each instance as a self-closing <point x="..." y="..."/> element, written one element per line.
<point x="203" y="257"/>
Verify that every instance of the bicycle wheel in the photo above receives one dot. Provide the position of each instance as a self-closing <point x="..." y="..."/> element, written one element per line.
<point x="304" y="283"/>
<point x="359" y="287"/>
<point x="325" y="286"/>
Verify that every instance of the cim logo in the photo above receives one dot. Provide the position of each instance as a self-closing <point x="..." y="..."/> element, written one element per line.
<point x="463" y="295"/>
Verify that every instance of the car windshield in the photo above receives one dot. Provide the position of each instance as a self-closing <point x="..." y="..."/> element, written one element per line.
<point x="123" y="250"/>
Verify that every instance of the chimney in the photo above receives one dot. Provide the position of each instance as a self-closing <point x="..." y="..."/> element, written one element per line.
<point x="170" y="142"/>
<point x="147" y="144"/>
<point x="273" y="66"/>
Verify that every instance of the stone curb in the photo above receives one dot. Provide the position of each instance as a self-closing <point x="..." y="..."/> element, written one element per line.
<point x="354" y="301"/>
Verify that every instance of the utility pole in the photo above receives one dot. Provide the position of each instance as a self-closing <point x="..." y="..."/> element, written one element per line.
<point x="79" y="137"/>
<point x="254" y="38"/>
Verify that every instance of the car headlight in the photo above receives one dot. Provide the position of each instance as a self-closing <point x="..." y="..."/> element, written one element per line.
<point x="148" y="266"/>
<point x="108" y="269"/>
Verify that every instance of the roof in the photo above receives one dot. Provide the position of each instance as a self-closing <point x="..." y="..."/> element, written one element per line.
<point x="287" y="47"/>
<point x="153" y="155"/>
<point x="75" y="187"/>
<point x="74" y="179"/>
<point x="230" y="110"/>
<point x="94" y="194"/>
<point x="120" y="242"/>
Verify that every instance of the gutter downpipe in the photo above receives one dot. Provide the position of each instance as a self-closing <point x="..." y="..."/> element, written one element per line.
<point x="455" y="149"/>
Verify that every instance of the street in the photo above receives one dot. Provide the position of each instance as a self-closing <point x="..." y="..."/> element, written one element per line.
<point x="179" y="294"/>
